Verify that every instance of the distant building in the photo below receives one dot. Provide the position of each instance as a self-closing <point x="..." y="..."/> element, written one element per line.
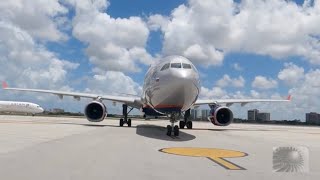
<point x="205" y="113"/>
<point x="194" y="114"/>
<point x="57" y="110"/>
<point x="312" y="118"/>
<point x="253" y="114"/>
<point x="263" y="116"/>
<point x="197" y="114"/>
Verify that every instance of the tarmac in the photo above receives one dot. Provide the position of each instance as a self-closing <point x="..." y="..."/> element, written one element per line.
<point x="73" y="148"/>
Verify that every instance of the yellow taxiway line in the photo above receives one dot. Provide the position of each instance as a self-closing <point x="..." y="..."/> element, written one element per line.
<point x="216" y="155"/>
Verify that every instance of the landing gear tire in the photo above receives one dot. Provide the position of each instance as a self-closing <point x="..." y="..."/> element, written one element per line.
<point x="129" y="123"/>
<point x="121" y="122"/>
<point x="189" y="124"/>
<point x="176" y="130"/>
<point x="125" y="113"/>
<point x="182" y="124"/>
<point x="169" y="130"/>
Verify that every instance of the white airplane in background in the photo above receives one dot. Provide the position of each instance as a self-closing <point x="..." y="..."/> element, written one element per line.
<point x="20" y="107"/>
<point x="171" y="87"/>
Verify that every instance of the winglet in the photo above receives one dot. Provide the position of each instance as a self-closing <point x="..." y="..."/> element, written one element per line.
<point x="289" y="97"/>
<point x="4" y="85"/>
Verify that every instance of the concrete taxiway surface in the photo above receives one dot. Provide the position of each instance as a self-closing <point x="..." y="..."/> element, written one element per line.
<point x="73" y="148"/>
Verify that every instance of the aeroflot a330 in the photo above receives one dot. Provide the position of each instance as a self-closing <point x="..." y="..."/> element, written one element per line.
<point x="171" y="87"/>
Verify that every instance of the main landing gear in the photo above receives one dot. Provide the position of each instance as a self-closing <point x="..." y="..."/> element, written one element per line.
<point x="186" y="122"/>
<point x="125" y="113"/>
<point x="173" y="128"/>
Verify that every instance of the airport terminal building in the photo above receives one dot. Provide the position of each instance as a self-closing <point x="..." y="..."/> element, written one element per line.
<point x="255" y="115"/>
<point x="313" y="118"/>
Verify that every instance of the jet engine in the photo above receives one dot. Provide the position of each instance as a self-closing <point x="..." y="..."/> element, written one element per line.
<point x="220" y="115"/>
<point x="95" y="111"/>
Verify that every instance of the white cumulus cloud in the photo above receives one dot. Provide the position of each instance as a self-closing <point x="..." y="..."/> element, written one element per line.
<point x="206" y="30"/>
<point x="25" y="62"/>
<point x="261" y="82"/>
<point x="114" y="44"/>
<point x="291" y="74"/>
<point x="25" y="28"/>
<point x="113" y="82"/>
<point x="214" y="92"/>
<point x="233" y="82"/>
<point x="41" y="19"/>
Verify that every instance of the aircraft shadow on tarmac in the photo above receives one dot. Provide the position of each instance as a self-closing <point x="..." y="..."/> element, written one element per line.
<point x="159" y="132"/>
<point x="150" y="131"/>
<point x="90" y="125"/>
<point x="238" y="129"/>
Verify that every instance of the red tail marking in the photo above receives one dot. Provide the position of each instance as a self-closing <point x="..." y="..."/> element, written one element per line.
<point x="4" y="85"/>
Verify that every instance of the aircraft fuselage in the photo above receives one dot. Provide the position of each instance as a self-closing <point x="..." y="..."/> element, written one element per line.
<point x="21" y="107"/>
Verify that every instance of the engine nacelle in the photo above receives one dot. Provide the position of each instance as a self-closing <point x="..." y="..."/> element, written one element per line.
<point x="95" y="111"/>
<point x="221" y="116"/>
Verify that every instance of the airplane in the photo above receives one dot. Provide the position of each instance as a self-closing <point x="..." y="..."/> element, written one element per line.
<point x="20" y="107"/>
<point x="171" y="88"/>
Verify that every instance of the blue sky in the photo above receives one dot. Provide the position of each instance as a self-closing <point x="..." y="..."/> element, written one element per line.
<point x="251" y="63"/>
<point x="258" y="49"/>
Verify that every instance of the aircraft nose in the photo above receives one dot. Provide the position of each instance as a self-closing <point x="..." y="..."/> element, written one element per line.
<point x="182" y="75"/>
<point x="41" y="109"/>
<point x="182" y="89"/>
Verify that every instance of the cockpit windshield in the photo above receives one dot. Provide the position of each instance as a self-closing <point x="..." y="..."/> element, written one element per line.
<point x="186" y="66"/>
<point x="166" y="66"/>
<point x="175" y="65"/>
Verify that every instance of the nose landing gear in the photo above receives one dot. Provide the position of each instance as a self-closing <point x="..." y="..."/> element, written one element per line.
<point x="173" y="128"/>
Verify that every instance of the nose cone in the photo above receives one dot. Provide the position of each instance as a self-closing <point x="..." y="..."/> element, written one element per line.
<point x="40" y="110"/>
<point x="185" y="89"/>
<point x="182" y="74"/>
<point x="179" y="90"/>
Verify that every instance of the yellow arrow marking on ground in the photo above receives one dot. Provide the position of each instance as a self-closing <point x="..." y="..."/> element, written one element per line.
<point x="216" y="155"/>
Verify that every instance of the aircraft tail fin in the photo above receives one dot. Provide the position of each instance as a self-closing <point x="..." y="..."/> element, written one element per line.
<point x="4" y="85"/>
<point x="289" y="97"/>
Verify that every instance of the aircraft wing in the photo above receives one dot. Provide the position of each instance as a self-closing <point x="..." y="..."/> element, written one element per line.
<point x="132" y="101"/>
<point x="243" y="102"/>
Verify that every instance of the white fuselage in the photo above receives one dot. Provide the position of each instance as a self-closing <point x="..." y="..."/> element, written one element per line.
<point x="171" y="86"/>
<point x="20" y="107"/>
